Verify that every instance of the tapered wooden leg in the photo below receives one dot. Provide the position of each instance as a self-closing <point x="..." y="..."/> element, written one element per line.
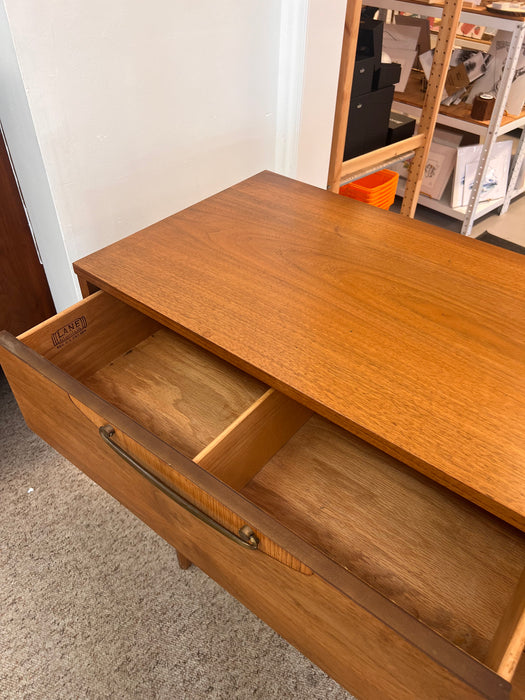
<point x="184" y="562"/>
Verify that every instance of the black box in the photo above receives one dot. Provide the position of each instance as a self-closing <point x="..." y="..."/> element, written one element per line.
<point x="400" y="127"/>
<point x="368" y="117"/>
<point x="370" y="40"/>
<point x="363" y="76"/>
<point x="388" y="74"/>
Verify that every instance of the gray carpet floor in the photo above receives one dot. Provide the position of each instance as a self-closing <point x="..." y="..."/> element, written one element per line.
<point x="93" y="604"/>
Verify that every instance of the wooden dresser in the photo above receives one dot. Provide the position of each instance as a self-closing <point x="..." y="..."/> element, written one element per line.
<point x="322" y="406"/>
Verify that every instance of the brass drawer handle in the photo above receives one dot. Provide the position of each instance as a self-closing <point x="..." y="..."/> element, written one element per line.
<point x="246" y="537"/>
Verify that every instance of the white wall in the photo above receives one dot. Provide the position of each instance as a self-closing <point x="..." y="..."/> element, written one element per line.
<point x="322" y="57"/>
<point x="18" y="127"/>
<point x="310" y="54"/>
<point x="141" y="109"/>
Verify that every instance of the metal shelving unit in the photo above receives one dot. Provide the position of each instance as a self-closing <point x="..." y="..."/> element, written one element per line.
<point x="459" y="119"/>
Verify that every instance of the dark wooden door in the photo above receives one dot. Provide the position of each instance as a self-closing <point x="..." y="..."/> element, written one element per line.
<point x="25" y="299"/>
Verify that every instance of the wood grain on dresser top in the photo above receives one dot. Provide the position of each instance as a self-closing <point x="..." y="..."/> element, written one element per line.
<point x="408" y="336"/>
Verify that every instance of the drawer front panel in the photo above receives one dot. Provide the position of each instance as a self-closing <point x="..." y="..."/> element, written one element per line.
<point x="187" y="489"/>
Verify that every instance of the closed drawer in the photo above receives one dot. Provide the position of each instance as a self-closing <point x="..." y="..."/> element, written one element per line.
<point x="363" y="76"/>
<point x="394" y="586"/>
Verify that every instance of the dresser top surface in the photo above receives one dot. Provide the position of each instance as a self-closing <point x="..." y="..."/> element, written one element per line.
<point x="407" y="335"/>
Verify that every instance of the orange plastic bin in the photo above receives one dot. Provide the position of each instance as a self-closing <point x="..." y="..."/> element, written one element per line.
<point x="378" y="189"/>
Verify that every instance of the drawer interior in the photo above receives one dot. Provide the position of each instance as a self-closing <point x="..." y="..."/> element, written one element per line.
<point x="447" y="562"/>
<point x="180" y="392"/>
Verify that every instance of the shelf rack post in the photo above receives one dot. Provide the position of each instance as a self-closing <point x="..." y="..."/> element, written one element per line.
<point x="492" y="133"/>
<point x="436" y="83"/>
<point x="344" y="89"/>
<point x="518" y="161"/>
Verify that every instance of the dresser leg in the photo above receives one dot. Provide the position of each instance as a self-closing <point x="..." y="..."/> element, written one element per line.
<point x="184" y="562"/>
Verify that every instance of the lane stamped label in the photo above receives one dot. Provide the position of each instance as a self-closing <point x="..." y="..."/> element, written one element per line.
<point x="69" y="332"/>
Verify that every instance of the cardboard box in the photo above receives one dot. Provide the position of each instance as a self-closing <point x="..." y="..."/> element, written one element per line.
<point x="438" y="169"/>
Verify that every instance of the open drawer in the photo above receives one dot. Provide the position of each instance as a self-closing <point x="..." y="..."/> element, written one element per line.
<point x="444" y="560"/>
<point x="393" y="585"/>
<point x="103" y="375"/>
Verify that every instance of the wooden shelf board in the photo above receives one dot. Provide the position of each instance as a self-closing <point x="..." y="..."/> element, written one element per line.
<point x="414" y="96"/>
